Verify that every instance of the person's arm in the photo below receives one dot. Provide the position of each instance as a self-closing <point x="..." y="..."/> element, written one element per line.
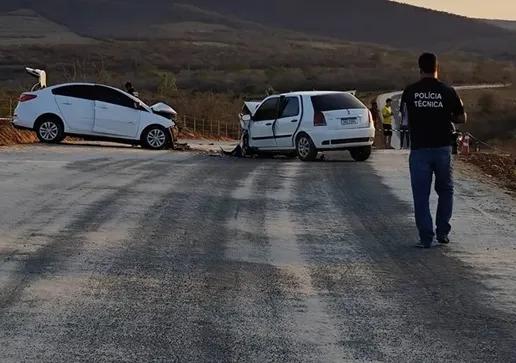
<point x="403" y="104"/>
<point x="459" y="115"/>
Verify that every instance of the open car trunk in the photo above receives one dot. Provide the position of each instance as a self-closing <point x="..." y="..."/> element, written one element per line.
<point x="41" y="75"/>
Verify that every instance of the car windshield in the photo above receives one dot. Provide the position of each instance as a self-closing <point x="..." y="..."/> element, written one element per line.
<point x="137" y="99"/>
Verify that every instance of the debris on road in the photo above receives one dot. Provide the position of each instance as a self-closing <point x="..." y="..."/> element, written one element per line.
<point x="183" y="146"/>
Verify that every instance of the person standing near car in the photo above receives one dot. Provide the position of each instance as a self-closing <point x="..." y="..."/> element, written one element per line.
<point x="129" y="88"/>
<point x="404" y="129"/>
<point x="432" y="108"/>
<point x="387" y="123"/>
<point x="375" y="112"/>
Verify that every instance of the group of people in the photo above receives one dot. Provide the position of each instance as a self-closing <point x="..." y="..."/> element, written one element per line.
<point x="387" y="117"/>
<point x="429" y="110"/>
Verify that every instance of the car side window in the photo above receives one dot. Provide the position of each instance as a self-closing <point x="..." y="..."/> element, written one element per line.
<point x="109" y="95"/>
<point x="75" y="91"/>
<point x="267" y="111"/>
<point x="292" y="107"/>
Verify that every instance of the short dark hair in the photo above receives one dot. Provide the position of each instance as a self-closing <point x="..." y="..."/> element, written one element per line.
<point x="388" y="100"/>
<point x="428" y="63"/>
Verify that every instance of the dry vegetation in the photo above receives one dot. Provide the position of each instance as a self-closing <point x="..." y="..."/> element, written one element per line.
<point x="492" y="116"/>
<point x="501" y="168"/>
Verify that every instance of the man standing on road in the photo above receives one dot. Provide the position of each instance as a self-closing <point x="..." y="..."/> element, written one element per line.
<point x="375" y="112"/>
<point x="404" y="129"/>
<point x="387" y="123"/>
<point x="432" y="108"/>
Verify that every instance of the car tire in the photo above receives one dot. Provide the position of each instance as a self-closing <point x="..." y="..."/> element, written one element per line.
<point x="50" y="129"/>
<point x="155" y="137"/>
<point x="361" y="153"/>
<point x="305" y="148"/>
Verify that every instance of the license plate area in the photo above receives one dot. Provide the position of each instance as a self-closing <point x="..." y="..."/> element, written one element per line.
<point x="348" y="121"/>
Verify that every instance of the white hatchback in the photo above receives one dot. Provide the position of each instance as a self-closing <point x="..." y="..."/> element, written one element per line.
<point x="304" y="123"/>
<point x="94" y="112"/>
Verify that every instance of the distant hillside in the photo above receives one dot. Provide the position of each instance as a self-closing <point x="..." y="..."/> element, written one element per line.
<point x="505" y="24"/>
<point x="373" y="21"/>
<point x="26" y="27"/>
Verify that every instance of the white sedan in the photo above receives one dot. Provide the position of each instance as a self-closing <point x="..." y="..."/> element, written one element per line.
<point x="304" y="123"/>
<point x="94" y="112"/>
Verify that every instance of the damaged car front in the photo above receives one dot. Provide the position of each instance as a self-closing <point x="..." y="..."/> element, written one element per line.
<point x="169" y="113"/>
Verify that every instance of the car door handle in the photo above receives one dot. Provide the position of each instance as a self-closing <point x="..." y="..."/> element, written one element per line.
<point x="66" y="103"/>
<point x="293" y="120"/>
<point x="268" y="124"/>
<point x="103" y="107"/>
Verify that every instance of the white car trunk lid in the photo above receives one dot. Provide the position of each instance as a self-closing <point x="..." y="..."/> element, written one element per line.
<point x="346" y="119"/>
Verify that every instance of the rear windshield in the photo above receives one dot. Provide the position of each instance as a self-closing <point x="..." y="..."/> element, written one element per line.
<point x="336" y="101"/>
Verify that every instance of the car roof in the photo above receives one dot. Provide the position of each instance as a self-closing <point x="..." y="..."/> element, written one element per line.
<point x="312" y="93"/>
<point x="90" y="84"/>
<point x="78" y="84"/>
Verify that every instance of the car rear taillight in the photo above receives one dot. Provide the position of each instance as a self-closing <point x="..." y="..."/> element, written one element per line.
<point x="319" y="119"/>
<point x="27" y="97"/>
<point x="371" y="121"/>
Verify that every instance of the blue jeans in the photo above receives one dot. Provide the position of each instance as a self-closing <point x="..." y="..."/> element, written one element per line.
<point x="424" y="163"/>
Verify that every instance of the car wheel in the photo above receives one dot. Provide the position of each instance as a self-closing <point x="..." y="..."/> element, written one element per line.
<point x="361" y="153"/>
<point x="305" y="148"/>
<point x="155" y="138"/>
<point x="50" y="130"/>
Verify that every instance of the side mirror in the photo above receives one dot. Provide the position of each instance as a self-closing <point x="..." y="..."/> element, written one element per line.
<point x="136" y="105"/>
<point x="246" y="118"/>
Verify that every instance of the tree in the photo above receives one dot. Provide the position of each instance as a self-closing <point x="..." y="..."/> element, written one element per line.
<point x="167" y="85"/>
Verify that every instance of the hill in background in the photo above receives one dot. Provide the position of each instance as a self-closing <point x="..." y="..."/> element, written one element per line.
<point x="244" y="46"/>
<point x="372" y="21"/>
<point x="505" y="24"/>
<point x="26" y="27"/>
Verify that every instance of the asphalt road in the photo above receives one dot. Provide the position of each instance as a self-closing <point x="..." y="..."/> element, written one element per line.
<point x="122" y="255"/>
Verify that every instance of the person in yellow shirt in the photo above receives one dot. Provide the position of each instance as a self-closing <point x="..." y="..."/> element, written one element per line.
<point x="387" y="123"/>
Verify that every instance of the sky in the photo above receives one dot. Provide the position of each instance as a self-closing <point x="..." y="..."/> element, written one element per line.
<point x="488" y="9"/>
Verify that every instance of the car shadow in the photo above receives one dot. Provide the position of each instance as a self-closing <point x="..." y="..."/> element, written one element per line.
<point x="92" y="144"/>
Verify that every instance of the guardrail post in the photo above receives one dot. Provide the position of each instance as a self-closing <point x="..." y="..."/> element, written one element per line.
<point x="194" y="125"/>
<point x="11" y="111"/>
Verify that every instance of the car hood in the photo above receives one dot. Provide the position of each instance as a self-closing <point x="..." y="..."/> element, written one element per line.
<point x="163" y="108"/>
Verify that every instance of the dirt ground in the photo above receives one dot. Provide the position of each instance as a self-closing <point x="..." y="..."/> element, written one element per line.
<point x="11" y="136"/>
<point x="497" y="168"/>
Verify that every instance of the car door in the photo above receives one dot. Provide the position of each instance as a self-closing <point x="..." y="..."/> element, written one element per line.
<point x="115" y="113"/>
<point x="77" y="106"/>
<point x="260" y="131"/>
<point x="287" y="122"/>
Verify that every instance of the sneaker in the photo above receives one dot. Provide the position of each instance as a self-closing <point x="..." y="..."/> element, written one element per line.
<point x="443" y="240"/>
<point x="420" y="244"/>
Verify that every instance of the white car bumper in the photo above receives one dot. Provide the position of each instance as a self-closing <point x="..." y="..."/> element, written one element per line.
<point x="342" y="139"/>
